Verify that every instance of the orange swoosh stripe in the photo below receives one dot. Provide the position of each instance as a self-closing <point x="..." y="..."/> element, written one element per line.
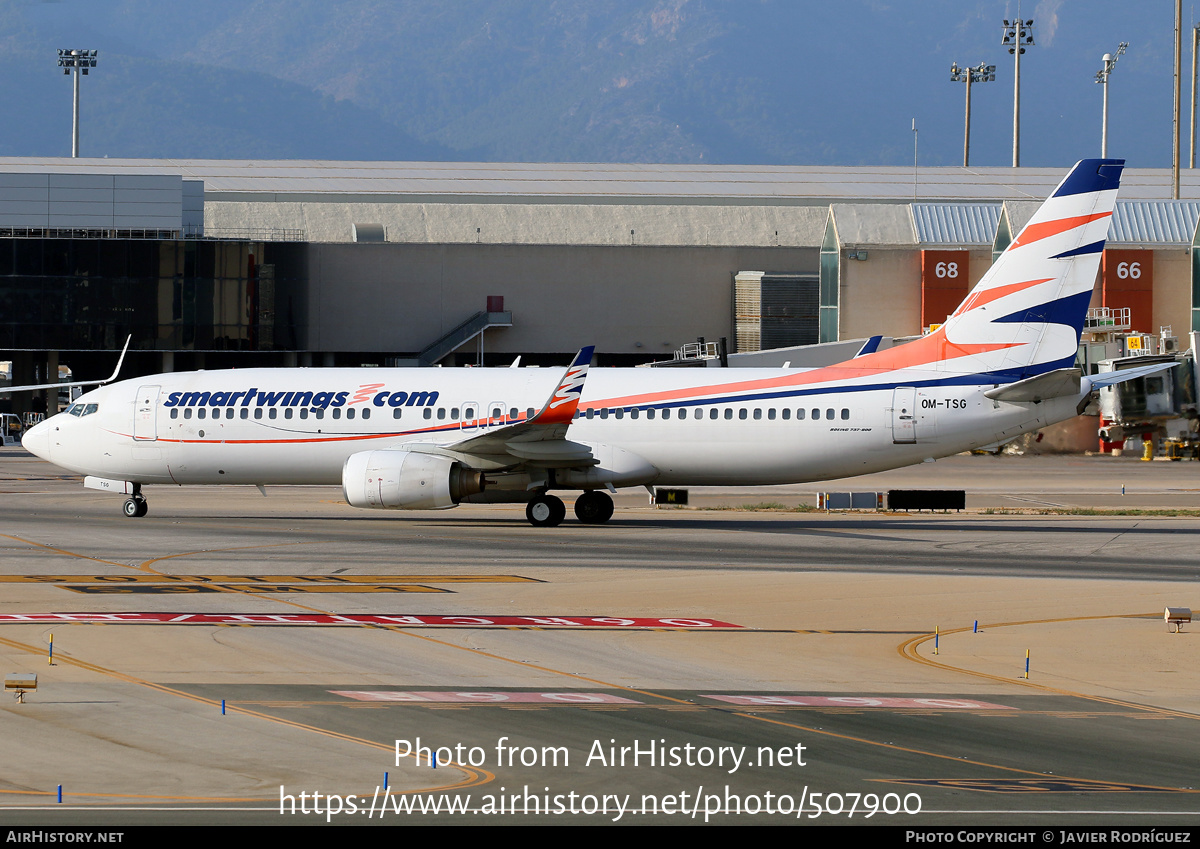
<point x="1037" y="232"/>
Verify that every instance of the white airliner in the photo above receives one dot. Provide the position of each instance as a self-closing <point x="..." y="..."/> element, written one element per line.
<point x="414" y="439"/>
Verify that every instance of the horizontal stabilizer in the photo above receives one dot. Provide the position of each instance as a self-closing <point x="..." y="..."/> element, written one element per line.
<point x="1110" y="378"/>
<point x="1052" y="384"/>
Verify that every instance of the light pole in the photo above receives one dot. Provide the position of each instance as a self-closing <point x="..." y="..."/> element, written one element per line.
<point x="1018" y="35"/>
<point x="1110" y="62"/>
<point x="982" y="74"/>
<point x="78" y="61"/>
<point x="1192" y="145"/>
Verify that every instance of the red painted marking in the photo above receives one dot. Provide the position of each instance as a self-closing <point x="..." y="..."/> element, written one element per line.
<point x="484" y="697"/>
<point x="367" y="619"/>
<point x="861" y="701"/>
<point x="1044" y="230"/>
<point x="986" y="297"/>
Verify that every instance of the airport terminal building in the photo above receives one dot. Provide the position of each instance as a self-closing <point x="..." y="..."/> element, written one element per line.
<point x="212" y="264"/>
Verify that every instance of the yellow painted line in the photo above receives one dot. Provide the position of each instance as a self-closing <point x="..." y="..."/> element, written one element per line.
<point x="63" y="551"/>
<point x="473" y="775"/>
<point x="924" y="753"/>
<point x="909" y="650"/>
<point x="248" y="589"/>
<point x="350" y="580"/>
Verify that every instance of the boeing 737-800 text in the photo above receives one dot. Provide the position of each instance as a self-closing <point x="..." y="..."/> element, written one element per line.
<point x="413" y="439"/>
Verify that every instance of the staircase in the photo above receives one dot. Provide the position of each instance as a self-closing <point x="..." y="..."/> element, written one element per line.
<point x="461" y="335"/>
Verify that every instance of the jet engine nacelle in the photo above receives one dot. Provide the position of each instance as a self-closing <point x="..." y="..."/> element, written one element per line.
<point x="407" y="480"/>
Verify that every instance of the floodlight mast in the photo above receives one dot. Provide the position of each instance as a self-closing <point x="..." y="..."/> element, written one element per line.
<point x="1018" y="34"/>
<point x="77" y="61"/>
<point x="981" y="74"/>
<point x="1110" y="62"/>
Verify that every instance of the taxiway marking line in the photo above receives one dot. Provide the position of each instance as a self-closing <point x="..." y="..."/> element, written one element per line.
<point x="908" y="650"/>
<point x="67" y="553"/>
<point x="474" y="775"/>
<point x="955" y="758"/>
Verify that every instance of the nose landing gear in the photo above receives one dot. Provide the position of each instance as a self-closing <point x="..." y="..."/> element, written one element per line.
<point x="135" y="507"/>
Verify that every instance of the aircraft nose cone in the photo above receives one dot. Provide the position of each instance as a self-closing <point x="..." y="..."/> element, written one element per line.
<point x="36" y="440"/>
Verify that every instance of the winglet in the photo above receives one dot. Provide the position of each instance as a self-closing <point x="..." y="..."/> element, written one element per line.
<point x="120" y="360"/>
<point x="564" y="401"/>
<point x="869" y="347"/>
<point x="34" y="387"/>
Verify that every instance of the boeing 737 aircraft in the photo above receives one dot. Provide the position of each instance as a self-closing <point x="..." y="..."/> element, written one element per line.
<point x="414" y="439"/>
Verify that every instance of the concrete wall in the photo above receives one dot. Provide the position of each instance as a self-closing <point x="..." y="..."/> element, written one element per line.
<point x="400" y="298"/>
<point x="533" y="223"/>
<point x="880" y="295"/>
<point x="1173" y="291"/>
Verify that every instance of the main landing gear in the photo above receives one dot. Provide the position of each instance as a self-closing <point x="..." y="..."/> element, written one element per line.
<point x="547" y="511"/>
<point x="135" y="507"/>
<point x="594" y="507"/>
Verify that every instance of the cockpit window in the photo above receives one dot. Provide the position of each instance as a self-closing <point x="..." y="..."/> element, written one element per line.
<point x="82" y="409"/>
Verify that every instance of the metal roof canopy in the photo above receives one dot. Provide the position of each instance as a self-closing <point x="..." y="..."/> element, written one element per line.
<point x="596" y="182"/>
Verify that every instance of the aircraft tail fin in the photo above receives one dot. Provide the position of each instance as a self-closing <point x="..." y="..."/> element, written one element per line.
<point x="1025" y="316"/>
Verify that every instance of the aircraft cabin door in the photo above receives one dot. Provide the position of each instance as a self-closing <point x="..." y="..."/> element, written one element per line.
<point x="904" y="414"/>
<point x="145" y="414"/>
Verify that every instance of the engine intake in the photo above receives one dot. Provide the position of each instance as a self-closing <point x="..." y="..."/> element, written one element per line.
<point x="407" y="480"/>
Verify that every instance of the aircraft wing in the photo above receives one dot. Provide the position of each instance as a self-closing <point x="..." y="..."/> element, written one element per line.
<point x="541" y="439"/>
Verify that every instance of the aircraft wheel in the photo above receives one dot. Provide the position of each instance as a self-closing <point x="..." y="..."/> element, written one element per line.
<point x="135" y="508"/>
<point x="545" y="511"/>
<point x="594" y="507"/>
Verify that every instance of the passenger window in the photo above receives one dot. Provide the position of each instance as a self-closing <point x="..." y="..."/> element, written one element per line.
<point x="845" y="414"/>
<point x="287" y="414"/>
<point x="512" y="414"/>
<point x="496" y="413"/>
<point x="771" y="414"/>
<point x="396" y="413"/>
<point x="428" y="413"/>
<point x="757" y="414"/>
<point x="650" y="413"/>
<point x="174" y="412"/>
<point x="366" y="414"/>
<point x="728" y="413"/>
<point x="591" y="414"/>
<point x="187" y="414"/>
<point x="469" y="413"/>
<point x="350" y="413"/>
<point x="620" y="412"/>
<point x="274" y="414"/>
<point x="441" y="413"/>
<point x="337" y="414"/>
<point x="454" y="413"/>
<point x="320" y="414"/>
<point x="816" y="414"/>
<point x="699" y="413"/>
<point x="200" y="413"/>
<point x="530" y="413"/>
<point x="829" y="413"/>
<point x="800" y="413"/>
<point x="742" y="413"/>
<point x="246" y="413"/>
<point x="258" y="412"/>
<point x="604" y="413"/>
<point x="787" y="413"/>
<point x="713" y="413"/>
<point x="304" y="412"/>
